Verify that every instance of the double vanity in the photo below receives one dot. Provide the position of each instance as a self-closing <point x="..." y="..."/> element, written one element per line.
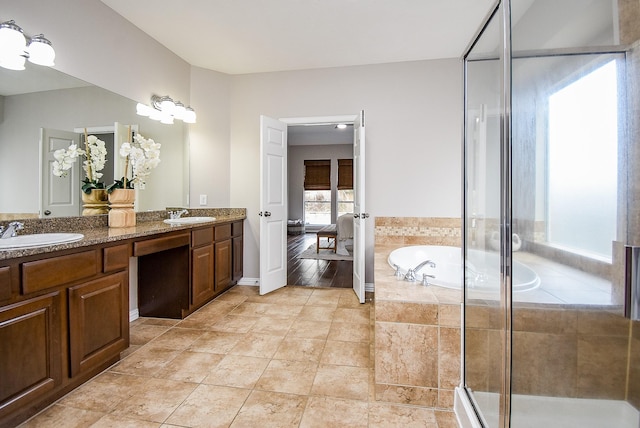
<point x="64" y="308"/>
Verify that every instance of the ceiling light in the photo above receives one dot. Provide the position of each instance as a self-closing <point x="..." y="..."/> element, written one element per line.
<point x="40" y="51"/>
<point x="341" y="126"/>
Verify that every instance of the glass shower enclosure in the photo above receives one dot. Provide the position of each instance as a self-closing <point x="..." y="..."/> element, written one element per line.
<point x="551" y="216"/>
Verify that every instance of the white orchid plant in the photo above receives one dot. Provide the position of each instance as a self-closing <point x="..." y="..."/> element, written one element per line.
<point x="95" y="153"/>
<point x="143" y="154"/>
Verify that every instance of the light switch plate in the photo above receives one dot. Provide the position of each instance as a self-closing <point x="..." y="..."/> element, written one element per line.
<point x="203" y="199"/>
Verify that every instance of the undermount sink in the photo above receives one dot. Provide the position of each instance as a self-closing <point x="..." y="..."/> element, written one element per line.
<point x="189" y="220"/>
<point x="38" y="240"/>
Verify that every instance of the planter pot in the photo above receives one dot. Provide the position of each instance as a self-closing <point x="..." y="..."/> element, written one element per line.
<point x="121" y="213"/>
<point x="95" y="203"/>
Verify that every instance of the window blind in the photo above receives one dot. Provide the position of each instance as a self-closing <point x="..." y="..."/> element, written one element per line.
<point x="317" y="175"/>
<point x="345" y="174"/>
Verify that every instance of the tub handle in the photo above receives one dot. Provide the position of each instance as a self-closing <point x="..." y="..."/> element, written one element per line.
<point x="425" y="278"/>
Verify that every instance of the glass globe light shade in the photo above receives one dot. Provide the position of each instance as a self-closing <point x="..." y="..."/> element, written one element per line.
<point x="15" y="62"/>
<point x="40" y="51"/>
<point x="189" y="116"/>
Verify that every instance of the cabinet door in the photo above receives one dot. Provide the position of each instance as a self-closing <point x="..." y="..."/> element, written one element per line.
<point x="223" y="265"/>
<point x="30" y="351"/>
<point x="98" y="321"/>
<point x="202" y="289"/>
<point x="237" y="260"/>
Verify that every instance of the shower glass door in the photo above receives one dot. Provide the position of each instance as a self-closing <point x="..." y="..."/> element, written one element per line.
<point x="484" y="327"/>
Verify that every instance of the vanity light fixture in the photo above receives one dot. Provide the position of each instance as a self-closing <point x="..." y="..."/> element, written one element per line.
<point x="14" y="49"/>
<point x="166" y="110"/>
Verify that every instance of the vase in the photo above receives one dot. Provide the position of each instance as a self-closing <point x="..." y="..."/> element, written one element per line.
<point x="121" y="213"/>
<point x="95" y="203"/>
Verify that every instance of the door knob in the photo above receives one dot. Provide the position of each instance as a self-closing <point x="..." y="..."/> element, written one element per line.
<point x="364" y="215"/>
<point x="356" y="215"/>
<point x="267" y="214"/>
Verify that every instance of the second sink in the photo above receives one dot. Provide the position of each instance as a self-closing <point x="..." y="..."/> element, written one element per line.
<point x="38" y="240"/>
<point x="189" y="220"/>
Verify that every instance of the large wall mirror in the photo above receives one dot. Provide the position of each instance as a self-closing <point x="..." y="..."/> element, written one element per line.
<point x="41" y="98"/>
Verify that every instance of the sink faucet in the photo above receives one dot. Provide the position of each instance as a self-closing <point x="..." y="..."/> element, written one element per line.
<point x="11" y="230"/>
<point x="411" y="273"/>
<point x="177" y="214"/>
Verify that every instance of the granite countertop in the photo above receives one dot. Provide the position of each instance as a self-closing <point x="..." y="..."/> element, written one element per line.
<point x="96" y="230"/>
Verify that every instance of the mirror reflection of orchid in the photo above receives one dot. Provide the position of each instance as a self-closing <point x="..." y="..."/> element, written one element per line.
<point x="95" y="153"/>
<point x="143" y="154"/>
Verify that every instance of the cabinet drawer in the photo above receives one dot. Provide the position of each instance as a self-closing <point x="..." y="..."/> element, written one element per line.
<point x="223" y="232"/>
<point x="42" y="274"/>
<point x="116" y="258"/>
<point x="236" y="228"/>
<point x="201" y="237"/>
<point x="160" y="244"/>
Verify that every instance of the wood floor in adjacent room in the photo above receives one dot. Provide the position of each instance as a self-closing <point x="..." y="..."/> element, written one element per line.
<point x="315" y="273"/>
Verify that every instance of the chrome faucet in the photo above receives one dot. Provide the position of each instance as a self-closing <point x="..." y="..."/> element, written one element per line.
<point x="177" y="214"/>
<point x="411" y="273"/>
<point x="11" y="230"/>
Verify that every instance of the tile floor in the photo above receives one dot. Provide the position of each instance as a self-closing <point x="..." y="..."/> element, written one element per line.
<point x="298" y="357"/>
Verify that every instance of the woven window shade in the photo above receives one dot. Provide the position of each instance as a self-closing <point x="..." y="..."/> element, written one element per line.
<point x="317" y="175"/>
<point x="345" y="174"/>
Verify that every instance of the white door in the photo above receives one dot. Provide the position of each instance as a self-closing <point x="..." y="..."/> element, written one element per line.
<point x="273" y="204"/>
<point x="60" y="195"/>
<point x="360" y="215"/>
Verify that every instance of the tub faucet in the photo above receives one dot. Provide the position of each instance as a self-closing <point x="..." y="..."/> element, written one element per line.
<point x="425" y="279"/>
<point x="411" y="273"/>
<point x="177" y="214"/>
<point x="11" y="230"/>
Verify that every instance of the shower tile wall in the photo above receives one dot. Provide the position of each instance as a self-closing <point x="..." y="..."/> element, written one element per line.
<point x="587" y="353"/>
<point x="417" y="328"/>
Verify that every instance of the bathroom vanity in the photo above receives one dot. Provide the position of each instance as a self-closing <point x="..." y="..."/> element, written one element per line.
<point x="64" y="309"/>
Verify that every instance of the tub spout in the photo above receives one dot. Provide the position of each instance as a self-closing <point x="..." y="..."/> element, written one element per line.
<point x="411" y="273"/>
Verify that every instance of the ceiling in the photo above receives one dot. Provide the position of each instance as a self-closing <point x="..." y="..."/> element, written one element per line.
<point x="253" y="36"/>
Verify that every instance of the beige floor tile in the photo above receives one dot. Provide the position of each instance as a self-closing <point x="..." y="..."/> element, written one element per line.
<point x="111" y="421"/>
<point x="104" y="393"/>
<point x="346" y="354"/>
<point x="61" y="416"/>
<point x="234" y="324"/>
<point x="270" y="410"/>
<point x="190" y="366"/>
<point x="273" y="326"/>
<point x="297" y="349"/>
<point x="384" y="415"/>
<point x="309" y="329"/>
<point x="257" y="345"/>
<point x="156" y="402"/>
<point x="238" y="371"/>
<point x="322" y="299"/>
<point x="147" y="361"/>
<point x="350" y="300"/>
<point x="352" y="315"/>
<point x="317" y="313"/>
<point x="166" y="322"/>
<point x="177" y="338"/>
<point x="293" y="377"/>
<point x="210" y="406"/>
<point x="342" y="382"/>
<point x="216" y="342"/>
<point x="143" y="333"/>
<point x="200" y="321"/>
<point x="327" y="412"/>
<point x="130" y="350"/>
<point x="350" y="332"/>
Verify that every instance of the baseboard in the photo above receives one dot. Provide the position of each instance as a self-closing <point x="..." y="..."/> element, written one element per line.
<point x="133" y="315"/>
<point x="249" y="281"/>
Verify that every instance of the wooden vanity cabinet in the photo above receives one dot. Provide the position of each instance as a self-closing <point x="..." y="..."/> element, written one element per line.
<point x="223" y="257"/>
<point x="65" y="320"/>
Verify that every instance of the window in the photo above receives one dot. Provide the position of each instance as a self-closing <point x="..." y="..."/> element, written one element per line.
<point x="317" y="207"/>
<point x="582" y="163"/>
<point x="317" y="192"/>
<point x="345" y="201"/>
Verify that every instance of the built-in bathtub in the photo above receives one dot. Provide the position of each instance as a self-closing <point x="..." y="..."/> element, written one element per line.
<point x="483" y="268"/>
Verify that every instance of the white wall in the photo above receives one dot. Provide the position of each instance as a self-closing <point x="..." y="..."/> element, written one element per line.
<point x="413" y="125"/>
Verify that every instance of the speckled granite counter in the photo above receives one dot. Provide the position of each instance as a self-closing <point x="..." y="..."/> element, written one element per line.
<point x="96" y="230"/>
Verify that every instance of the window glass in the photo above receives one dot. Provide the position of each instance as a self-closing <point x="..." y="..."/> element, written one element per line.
<point x="317" y="207"/>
